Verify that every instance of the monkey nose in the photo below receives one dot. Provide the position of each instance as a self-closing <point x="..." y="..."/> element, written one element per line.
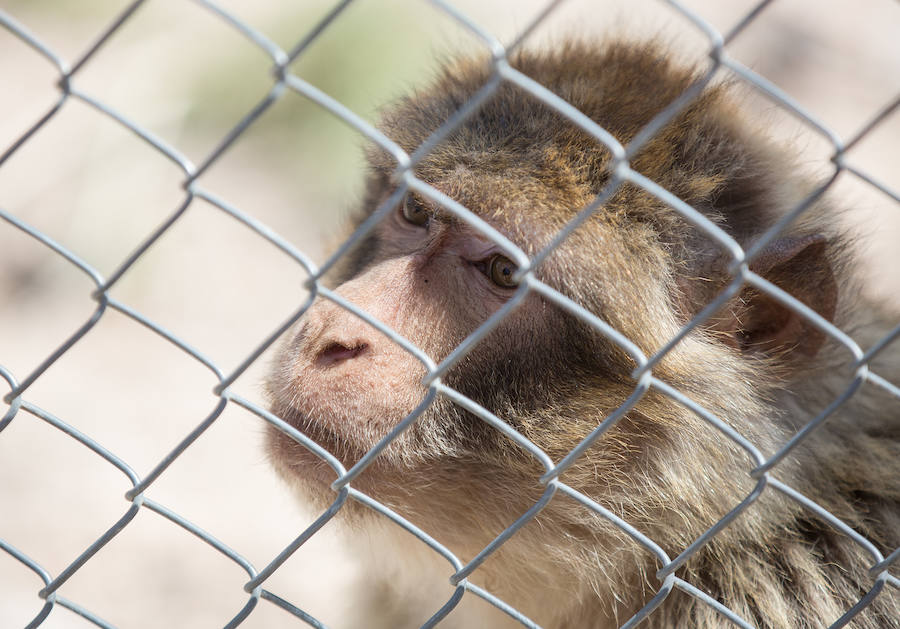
<point x="337" y="352"/>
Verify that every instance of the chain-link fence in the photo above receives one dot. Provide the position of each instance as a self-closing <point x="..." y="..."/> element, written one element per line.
<point x="197" y="197"/>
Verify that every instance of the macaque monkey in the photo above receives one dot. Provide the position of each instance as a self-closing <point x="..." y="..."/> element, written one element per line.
<point x="644" y="269"/>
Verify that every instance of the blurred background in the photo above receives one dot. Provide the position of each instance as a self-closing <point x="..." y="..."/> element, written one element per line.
<point x="180" y="71"/>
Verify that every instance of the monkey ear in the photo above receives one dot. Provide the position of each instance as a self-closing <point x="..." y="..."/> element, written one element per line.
<point x="757" y="322"/>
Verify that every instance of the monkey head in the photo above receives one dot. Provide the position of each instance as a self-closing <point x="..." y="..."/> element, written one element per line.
<point x="635" y="263"/>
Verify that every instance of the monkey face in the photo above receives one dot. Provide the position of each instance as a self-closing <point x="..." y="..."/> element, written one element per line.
<point x="345" y="383"/>
<point x="433" y="280"/>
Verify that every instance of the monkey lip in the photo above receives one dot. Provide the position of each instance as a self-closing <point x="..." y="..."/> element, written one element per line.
<point x="335" y="353"/>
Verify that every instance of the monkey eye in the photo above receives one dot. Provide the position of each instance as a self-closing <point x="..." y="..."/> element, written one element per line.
<point x="501" y="271"/>
<point x="414" y="212"/>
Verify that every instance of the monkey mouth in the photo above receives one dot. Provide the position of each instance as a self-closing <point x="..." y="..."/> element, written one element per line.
<point x="335" y="353"/>
<point x="292" y="458"/>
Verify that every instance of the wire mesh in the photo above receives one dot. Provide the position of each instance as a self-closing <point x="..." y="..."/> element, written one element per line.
<point x="21" y="407"/>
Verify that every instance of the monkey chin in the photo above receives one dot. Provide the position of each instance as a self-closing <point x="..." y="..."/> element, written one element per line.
<point x="311" y="476"/>
<point x="305" y="472"/>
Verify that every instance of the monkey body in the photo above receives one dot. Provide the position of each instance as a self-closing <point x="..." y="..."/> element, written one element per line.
<point x="762" y="369"/>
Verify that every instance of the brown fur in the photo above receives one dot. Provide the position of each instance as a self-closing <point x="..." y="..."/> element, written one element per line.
<point x="645" y="270"/>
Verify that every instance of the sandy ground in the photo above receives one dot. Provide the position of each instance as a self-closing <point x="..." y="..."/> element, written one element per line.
<point x="186" y="76"/>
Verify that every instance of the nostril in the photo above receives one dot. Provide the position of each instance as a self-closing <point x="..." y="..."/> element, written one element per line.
<point x="338" y="352"/>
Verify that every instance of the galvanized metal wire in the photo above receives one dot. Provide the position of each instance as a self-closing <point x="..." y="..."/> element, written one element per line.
<point x="255" y="589"/>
